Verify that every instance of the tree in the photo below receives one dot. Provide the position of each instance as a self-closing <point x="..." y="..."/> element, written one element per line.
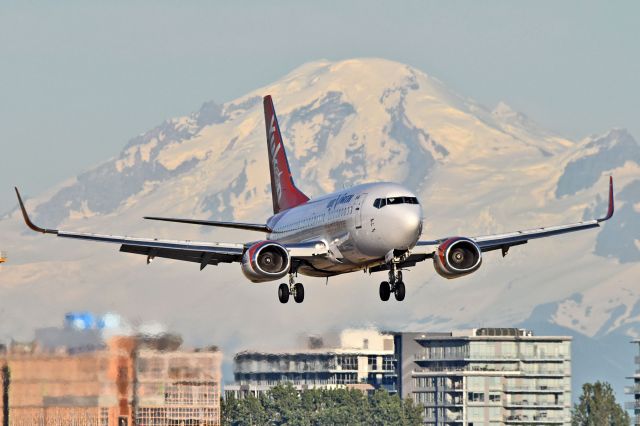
<point x="598" y="407"/>
<point x="284" y="405"/>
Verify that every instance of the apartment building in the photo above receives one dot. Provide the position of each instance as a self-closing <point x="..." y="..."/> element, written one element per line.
<point x="360" y="359"/>
<point x="486" y="376"/>
<point x="635" y="388"/>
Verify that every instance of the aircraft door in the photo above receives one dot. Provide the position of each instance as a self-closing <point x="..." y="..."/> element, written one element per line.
<point x="358" y="209"/>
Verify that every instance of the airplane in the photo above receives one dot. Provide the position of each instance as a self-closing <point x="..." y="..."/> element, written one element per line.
<point x="372" y="227"/>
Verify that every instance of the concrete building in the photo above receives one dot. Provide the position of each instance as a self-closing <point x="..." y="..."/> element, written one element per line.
<point x="635" y="388"/>
<point x="360" y="359"/>
<point x="58" y="388"/>
<point x="177" y="387"/>
<point x="487" y="376"/>
<point x="72" y="376"/>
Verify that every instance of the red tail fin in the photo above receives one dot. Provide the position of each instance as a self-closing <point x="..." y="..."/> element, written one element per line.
<point x="283" y="191"/>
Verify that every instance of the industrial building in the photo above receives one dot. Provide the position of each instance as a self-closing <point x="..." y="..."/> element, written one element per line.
<point x="77" y="376"/>
<point x="635" y="388"/>
<point x="487" y="376"/>
<point x="360" y="359"/>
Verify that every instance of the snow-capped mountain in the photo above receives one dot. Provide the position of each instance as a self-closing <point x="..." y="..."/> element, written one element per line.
<point x="477" y="170"/>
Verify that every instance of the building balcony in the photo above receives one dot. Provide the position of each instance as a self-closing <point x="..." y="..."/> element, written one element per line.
<point x="632" y="405"/>
<point x="544" y="373"/>
<point x="446" y="420"/>
<point x="532" y="389"/>
<point x="534" y="404"/>
<point x="524" y="419"/>
<point x="631" y="390"/>
<point x="451" y="404"/>
<point x="449" y="419"/>
<point x="492" y="358"/>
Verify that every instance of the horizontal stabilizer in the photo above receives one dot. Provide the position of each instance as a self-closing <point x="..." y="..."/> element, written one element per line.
<point x="235" y="225"/>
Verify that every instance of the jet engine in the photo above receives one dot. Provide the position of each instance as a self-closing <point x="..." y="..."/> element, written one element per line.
<point x="457" y="257"/>
<point x="265" y="261"/>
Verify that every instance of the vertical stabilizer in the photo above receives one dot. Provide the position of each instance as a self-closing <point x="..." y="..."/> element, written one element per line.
<point x="284" y="192"/>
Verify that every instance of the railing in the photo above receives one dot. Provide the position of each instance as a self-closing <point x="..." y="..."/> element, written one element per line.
<point x="545" y="371"/>
<point x="534" y="404"/>
<point x="534" y="419"/>
<point x="632" y="405"/>
<point x="632" y="389"/>
<point x="548" y="389"/>
<point x="477" y="357"/>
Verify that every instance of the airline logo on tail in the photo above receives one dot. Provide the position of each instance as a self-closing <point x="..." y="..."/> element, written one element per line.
<point x="274" y="147"/>
<point x="284" y="193"/>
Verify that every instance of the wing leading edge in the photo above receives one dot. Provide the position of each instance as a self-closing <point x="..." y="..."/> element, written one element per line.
<point x="507" y="240"/>
<point x="204" y="253"/>
<point x="190" y="251"/>
<point x="234" y="225"/>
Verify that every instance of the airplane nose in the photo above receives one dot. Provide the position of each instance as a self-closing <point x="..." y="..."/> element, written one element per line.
<point x="406" y="227"/>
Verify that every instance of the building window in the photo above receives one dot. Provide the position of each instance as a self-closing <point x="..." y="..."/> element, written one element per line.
<point x="387" y="362"/>
<point x="475" y="396"/>
<point x="348" y="362"/>
<point x="372" y="361"/>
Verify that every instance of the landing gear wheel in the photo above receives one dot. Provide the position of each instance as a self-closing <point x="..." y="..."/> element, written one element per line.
<point x="385" y="291"/>
<point x="283" y="293"/>
<point x="400" y="291"/>
<point x="298" y="293"/>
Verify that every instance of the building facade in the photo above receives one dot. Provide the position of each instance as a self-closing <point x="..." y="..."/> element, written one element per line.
<point x="177" y="388"/>
<point x="71" y="377"/>
<point x="489" y="376"/>
<point x="362" y="359"/>
<point x="634" y="390"/>
<point x="56" y="388"/>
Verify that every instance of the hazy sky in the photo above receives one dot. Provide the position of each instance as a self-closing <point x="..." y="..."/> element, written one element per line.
<point x="78" y="79"/>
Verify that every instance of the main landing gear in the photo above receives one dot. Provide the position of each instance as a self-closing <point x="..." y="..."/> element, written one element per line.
<point x="297" y="290"/>
<point x="395" y="285"/>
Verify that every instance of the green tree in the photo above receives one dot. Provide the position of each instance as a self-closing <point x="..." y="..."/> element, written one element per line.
<point x="284" y="405"/>
<point x="598" y="407"/>
<point x="243" y="412"/>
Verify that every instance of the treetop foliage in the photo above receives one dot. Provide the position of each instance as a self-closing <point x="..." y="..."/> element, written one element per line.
<point x="284" y="405"/>
<point x="598" y="407"/>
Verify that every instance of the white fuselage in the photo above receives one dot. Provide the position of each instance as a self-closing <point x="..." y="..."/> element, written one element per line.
<point x="357" y="233"/>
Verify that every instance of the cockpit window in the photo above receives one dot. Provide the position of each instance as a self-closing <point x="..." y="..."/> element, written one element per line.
<point x="381" y="202"/>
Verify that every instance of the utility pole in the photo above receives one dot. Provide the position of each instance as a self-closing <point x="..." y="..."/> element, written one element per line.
<point x="6" y="381"/>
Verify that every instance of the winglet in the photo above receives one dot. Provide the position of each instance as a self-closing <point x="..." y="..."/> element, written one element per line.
<point x="27" y="220"/>
<point x="611" y="206"/>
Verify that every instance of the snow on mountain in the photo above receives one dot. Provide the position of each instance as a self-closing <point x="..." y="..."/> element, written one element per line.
<point x="477" y="170"/>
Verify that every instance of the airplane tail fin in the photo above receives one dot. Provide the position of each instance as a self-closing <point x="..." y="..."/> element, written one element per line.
<point x="284" y="192"/>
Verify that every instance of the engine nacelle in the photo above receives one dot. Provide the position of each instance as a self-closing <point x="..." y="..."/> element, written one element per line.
<point x="265" y="261"/>
<point x="457" y="257"/>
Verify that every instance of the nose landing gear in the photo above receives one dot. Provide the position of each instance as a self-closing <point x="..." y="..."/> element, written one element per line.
<point x="395" y="285"/>
<point x="296" y="290"/>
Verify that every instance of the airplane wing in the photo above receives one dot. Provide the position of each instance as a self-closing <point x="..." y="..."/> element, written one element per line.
<point x="426" y="249"/>
<point x="190" y="251"/>
<point x="235" y="225"/>
<point x="204" y="253"/>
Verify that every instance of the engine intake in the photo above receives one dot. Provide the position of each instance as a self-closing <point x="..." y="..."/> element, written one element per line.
<point x="457" y="257"/>
<point x="265" y="261"/>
